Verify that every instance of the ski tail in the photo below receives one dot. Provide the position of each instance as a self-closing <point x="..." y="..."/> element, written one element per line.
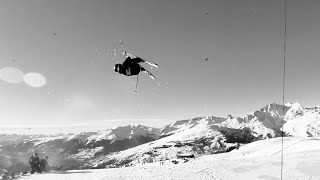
<point x="151" y="75"/>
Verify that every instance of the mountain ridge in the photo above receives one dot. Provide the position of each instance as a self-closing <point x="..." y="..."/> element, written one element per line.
<point x="133" y="144"/>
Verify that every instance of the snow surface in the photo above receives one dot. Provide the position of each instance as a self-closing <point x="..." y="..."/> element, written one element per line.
<point x="302" y="122"/>
<point x="257" y="160"/>
<point x="125" y="132"/>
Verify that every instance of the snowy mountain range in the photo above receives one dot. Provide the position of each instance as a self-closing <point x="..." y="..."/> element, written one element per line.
<point x="72" y="150"/>
<point x="134" y="145"/>
<point x="210" y="135"/>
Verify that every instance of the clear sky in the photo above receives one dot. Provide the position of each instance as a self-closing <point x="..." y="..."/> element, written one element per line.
<point x="71" y="43"/>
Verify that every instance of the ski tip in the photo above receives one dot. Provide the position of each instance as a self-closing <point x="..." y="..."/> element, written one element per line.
<point x="152" y="64"/>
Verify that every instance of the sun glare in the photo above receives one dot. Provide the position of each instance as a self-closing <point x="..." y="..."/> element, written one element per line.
<point x="11" y="75"/>
<point x="34" y="79"/>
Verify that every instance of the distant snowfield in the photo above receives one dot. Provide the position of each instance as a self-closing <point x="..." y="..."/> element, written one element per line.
<point x="257" y="160"/>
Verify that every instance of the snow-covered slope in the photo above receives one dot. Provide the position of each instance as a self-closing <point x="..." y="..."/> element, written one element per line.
<point x="265" y="122"/>
<point x="304" y="122"/>
<point x="196" y="136"/>
<point x="119" y="133"/>
<point x="182" y="125"/>
<point x="254" y="161"/>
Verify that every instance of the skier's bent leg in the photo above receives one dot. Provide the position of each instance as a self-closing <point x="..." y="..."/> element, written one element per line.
<point x="33" y="170"/>
<point x="38" y="169"/>
<point x="137" y="60"/>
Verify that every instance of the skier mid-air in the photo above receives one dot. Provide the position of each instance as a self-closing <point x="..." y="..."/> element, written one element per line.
<point x="132" y="67"/>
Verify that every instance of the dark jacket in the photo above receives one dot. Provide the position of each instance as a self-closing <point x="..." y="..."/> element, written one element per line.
<point x="131" y="67"/>
<point x="34" y="161"/>
<point x="44" y="165"/>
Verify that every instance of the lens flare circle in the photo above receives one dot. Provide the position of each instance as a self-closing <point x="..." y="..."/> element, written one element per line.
<point x="11" y="75"/>
<point x="34" y="79"/>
